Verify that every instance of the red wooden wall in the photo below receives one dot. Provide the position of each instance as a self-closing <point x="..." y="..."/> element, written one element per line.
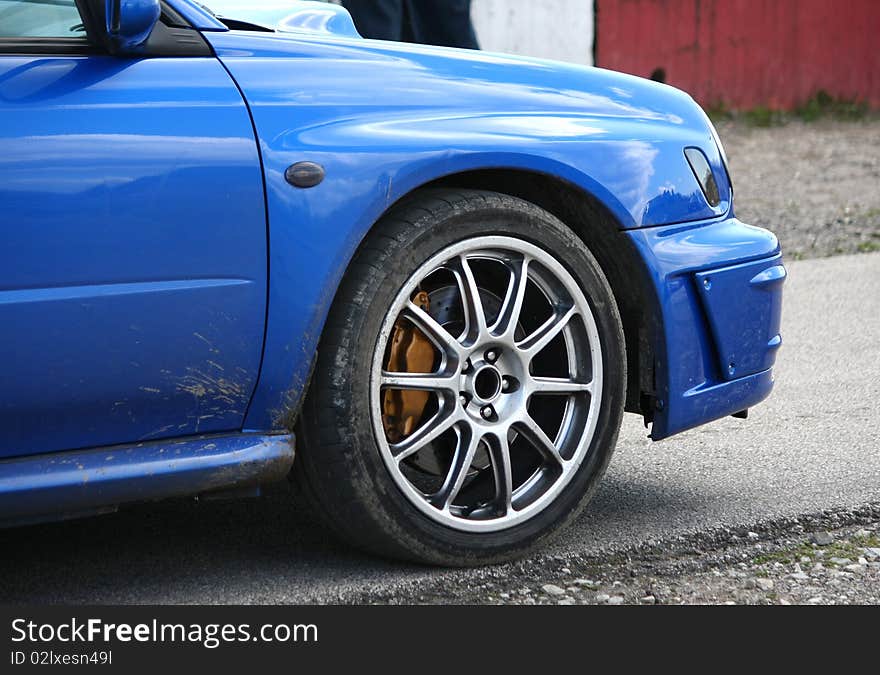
<point x="746" y="53"/>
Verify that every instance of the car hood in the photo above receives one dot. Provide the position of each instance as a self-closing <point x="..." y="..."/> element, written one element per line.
<point x="586" y="88"/>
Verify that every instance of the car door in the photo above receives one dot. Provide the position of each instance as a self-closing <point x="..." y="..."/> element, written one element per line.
<point x="132" y="241"/>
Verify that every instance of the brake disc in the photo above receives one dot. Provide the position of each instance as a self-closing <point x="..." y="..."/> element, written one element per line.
<point x="412" y="352"/>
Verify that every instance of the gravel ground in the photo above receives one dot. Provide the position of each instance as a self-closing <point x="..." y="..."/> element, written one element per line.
<point x="827" y="558"/>
<point x="816" y="184"/>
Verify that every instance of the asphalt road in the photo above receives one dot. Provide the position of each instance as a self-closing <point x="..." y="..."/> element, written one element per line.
<point x="814" y="444"/>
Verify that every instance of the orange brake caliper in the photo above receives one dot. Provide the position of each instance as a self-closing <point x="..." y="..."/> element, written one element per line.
<point x="411" y="352"/>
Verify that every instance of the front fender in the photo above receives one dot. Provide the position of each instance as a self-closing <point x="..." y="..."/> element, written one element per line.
<point x="384" y="119"/>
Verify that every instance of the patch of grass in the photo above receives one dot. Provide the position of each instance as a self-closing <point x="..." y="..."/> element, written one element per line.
<point x="718" y="111"/>
<point x="870" y="541"/>
<point x="763" y="116"/>
<point x="850" y="548"/>
<point x="868" y="247"/>
<point x="847" y="548"/>
<point x="822" y="104"/>
<point x="786" y="556"/>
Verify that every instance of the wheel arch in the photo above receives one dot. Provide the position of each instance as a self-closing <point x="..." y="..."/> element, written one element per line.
<point x="595" y="224"/>
<point x="597" y="227"/>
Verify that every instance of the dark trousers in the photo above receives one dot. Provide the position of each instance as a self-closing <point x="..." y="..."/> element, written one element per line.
<point x="432" y="22"/>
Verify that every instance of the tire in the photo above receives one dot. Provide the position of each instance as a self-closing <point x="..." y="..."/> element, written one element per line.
<point x="351" y="434"/>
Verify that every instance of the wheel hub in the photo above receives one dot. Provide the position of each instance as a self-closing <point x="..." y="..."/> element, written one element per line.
<point x="490" y="385"/>
<point x="483" y="383"/>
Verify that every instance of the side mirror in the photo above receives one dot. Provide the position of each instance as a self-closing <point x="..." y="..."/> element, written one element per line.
<point x="129" y="23"/>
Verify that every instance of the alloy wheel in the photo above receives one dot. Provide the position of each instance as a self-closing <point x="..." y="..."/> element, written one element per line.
<point x="506" y="413"/>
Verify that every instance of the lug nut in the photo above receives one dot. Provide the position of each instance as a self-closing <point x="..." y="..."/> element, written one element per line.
<point x="487" y="412"/>
<point x="491" y="356"/>
<point x="467" y="366"/>
<point x="463" y="399"/>
<point x="505" y="384"/>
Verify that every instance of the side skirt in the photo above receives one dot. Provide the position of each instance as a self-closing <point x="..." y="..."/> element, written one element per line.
<point x="65" y="485"/>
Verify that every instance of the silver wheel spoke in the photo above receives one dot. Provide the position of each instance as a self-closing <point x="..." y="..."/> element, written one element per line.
<point x="418" y="381"/>
<point x="508" y="317"/>
<point x="544" y="335"/>
<point x="501" y="467"/>
<point x="433" y="330"/>
<point x="427" y="432"/>
<point x="466" y="448"/>
<point x="472" y="303"/>
<point x="558" y="385"/>
<point x="539" y="439"/>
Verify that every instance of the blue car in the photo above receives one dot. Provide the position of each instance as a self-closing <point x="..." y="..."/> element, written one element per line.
<point x="440" y="276"/>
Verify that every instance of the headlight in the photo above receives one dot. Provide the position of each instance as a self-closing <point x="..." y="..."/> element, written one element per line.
<point x="705" y="177"/>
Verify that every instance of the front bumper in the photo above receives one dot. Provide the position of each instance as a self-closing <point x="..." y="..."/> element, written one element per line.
<point x="718" y="290"/>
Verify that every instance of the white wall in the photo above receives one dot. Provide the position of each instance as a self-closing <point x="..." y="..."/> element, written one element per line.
<point x="550" y="29"/>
